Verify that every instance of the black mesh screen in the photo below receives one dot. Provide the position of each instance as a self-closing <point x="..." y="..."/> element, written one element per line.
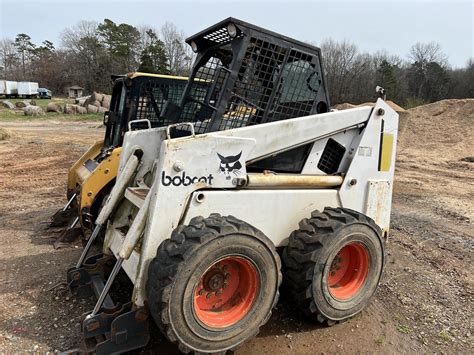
<point x="332" y="156"/>
<point x="200" y="103"/>
<point x="152" y="97"/>
<point x="272" y="82"/>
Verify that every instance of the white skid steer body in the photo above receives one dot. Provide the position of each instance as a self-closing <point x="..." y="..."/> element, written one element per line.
<point x="187" y="177"/>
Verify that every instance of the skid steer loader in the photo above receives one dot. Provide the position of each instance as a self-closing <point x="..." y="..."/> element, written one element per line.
<point x="136" y="103"/>
<point x="251" y="181"/>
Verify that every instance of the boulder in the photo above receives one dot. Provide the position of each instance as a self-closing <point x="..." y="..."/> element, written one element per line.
<point x="103" y="109"/>
<point x="8" y="104"/>
<point x="97" y="97"/>
<point x="81" y="100"/>
<point x="22" y="104"/>
<point x="106" y="103"/>
<point x="96" y="103"/>
<point x="33" y="111"/>
<point x="81" y="110"/>
<point x="53" y="107"/>
<point x="70" y="109"/>
<point x="92" y="109"/>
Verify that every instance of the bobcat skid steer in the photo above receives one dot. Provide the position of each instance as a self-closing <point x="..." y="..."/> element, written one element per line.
<point x="253" y="164"/>
<point x="136" y="103"/>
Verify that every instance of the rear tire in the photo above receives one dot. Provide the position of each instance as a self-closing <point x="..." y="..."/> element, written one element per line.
<point x="333" y="263"/>
<point x="213" y="284"/>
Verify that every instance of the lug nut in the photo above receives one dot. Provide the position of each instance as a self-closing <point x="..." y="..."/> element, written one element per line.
<point x="208" y="295"/>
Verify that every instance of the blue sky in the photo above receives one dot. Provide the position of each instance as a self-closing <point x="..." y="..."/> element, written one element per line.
<point x="372" y="25"/>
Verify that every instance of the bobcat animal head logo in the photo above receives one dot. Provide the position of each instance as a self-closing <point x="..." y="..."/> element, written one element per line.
<point x="230" y="165"/>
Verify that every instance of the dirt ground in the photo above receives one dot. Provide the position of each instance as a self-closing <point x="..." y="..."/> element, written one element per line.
<point x="424" y="304"/>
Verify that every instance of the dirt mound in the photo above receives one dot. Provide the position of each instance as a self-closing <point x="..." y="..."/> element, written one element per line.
<point x="443" y="129"/>
<point x="347" y="105"/>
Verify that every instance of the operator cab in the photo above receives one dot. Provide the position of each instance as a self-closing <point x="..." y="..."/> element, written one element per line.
<point x="253" y="76"/>
<point x="139" y="96"/>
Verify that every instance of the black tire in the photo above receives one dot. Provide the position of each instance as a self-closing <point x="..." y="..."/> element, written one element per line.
<point x="182" y="262"/>
<point x="309" y="269"/>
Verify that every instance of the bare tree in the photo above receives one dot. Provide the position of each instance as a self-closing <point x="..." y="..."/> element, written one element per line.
<point x="8" y="57"/>
<point x="425" y="53"/>
<point x="179" y="55"/>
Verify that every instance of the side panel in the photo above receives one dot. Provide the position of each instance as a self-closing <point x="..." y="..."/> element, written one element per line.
<point x="378" y="192"/>
<point x="104" y="173"/>
<point x="365" y="167"/>
<point x="275" y="212"/>
<point x="91" y="153"/>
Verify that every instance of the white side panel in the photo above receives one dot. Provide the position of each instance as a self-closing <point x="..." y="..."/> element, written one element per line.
<point x="150" y="142"/>
<point x="376" y="207"/>
<point x="275" y="212"/>
<point x="364" y="165"/>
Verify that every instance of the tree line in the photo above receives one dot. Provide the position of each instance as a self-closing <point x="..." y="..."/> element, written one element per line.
<point x="90" y="52"/>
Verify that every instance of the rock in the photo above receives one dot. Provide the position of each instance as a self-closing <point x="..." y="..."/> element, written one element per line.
<point x="92" y="109"/>
<point x="81" y="100"/>
<point x="81" y="110"/>
<point x="97" y="96"/>
<point x="96" y="103"/>
<point x="8" y="104"/>
<point x="53" y="107"/>
<point x="106" y="98"/>
<point x="105" y="103"/>
<point x="33" y="111"/>
<point x="70" y="109"/>
<point x="103" y="109"/>
<point x="22" y="104"/>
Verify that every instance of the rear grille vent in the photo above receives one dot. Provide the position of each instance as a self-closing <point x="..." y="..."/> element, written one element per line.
<point x="331" y="157"/>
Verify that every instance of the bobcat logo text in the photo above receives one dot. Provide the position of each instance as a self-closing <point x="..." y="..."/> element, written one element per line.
<point x="184" y="180"/>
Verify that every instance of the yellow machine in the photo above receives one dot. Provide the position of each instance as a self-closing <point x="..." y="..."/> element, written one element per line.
<point x="136" y="103"/>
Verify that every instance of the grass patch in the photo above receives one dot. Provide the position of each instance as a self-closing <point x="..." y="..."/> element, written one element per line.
<point x="444" y="335"/>
<point x="405" y="329"/>
<point x="43" y="103"/>
<point x="18" y="115"/>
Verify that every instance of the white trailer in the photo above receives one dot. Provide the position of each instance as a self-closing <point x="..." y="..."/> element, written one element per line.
<point x="11" y="88"/>
<point x="2" y="87"/>
<point x="27" y="89"/>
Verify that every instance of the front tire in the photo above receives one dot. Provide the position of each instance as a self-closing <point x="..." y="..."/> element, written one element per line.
<point x="213" y="284"/>
<point x="333" y="263"/>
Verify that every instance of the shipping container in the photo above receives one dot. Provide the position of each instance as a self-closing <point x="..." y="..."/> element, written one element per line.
<point x="11" y="88"/>
<point x="27" y="89"/>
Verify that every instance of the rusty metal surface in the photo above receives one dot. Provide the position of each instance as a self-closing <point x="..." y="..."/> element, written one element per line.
<point x="288" y="181"/>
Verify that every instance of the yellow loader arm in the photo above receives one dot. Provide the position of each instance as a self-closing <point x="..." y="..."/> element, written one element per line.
<point x="72" y="181"/>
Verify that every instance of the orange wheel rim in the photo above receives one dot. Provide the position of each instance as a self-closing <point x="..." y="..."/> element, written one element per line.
<point x="348" y="271"/>
<point x="226" y="292"/>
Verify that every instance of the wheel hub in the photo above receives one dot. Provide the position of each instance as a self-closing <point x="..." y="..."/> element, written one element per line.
<point x="348" y="271"/>
<point x="214" y="280"/>
<point x="226" y="292"/>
